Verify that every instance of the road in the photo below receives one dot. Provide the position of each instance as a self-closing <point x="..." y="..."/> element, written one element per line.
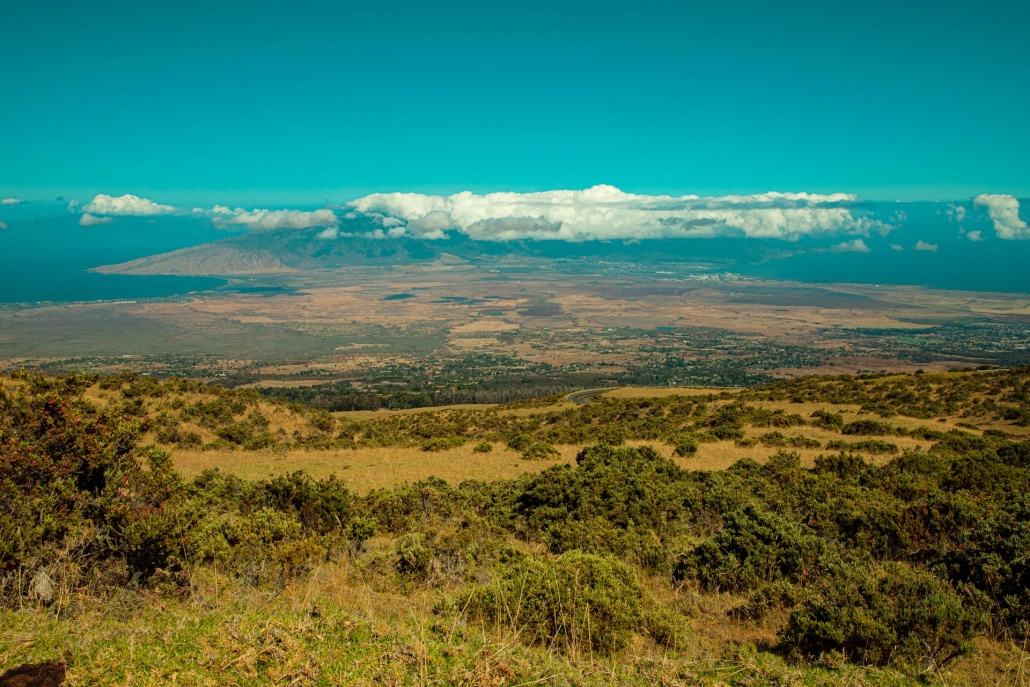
<point x="587" y="395"/>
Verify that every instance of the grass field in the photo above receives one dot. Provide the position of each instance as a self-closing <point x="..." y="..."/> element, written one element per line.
<point x="366" y="468"/>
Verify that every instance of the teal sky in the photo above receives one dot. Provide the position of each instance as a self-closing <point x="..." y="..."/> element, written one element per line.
<point x="273" y="102"/>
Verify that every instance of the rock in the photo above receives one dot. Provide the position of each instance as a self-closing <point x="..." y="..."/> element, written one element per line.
<point x="41" y="588"/>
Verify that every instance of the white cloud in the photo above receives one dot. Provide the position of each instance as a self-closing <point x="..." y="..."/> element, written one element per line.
<point x="895" y="246"/>
<point x="975" y="236"/>
<point x="125" y="205"/>
<point x="72" y="204"/>
<point x="12" y="201"/>
<point x="855" y="246"/>
<point x="929" y="247"/>
<point x="275" y="219"/>
<point x="3" y="225"/>
<point x="1004" y="212"/>
<point x="605" y="212"/>
<point x="88" y="220"/>
<point x="956" y="212"/>
<point x="329" y="233"/>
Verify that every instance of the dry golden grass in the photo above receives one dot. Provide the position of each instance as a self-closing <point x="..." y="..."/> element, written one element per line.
<point x="364" y="469"/>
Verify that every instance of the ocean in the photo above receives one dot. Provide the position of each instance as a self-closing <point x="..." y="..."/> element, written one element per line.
<point x="47" y="258"/>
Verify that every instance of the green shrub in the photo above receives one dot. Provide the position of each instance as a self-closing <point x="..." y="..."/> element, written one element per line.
<point x="574" y="602"/>
<point x="754" y="547"/>
<point x="874" y="446"/>
<point x="994" y="557"/>
<point x="540" y="451"/>
<point x="828" y="420"/>
<point x="889" y="614"/>
<point x="686" y="445"/>
<point x="483" y="447"/>
<point x="266" y="545"/>
<point x="867" y="428"/>
<point x="323" y="506"/>
<point x="442" y="444"/>
<point x="414" y="556"/>
<point x="627" y="488"/>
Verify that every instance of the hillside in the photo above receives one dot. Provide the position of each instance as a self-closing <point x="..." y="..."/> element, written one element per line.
<point x="759" y="536"/>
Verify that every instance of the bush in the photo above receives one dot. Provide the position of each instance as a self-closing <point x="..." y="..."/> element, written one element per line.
<point x="627" y="488"/>
<point x="686" y="445"/>
<point x="264" y="546"/>
<point x="753" y="548"/>
<point x="993" y="557"/>
<point x="321" y="507"/>
<point x="867" y="428"/>
<point x="442" y="444"/>
<point x="414" y="556"/>
<point x="889" y="614"/>
<point x="483" y="447"/>
<point x="541" y="451"/>
<point x="575" y="602"/>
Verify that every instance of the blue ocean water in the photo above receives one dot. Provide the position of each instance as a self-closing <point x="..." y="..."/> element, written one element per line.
<point x="46" y="258"/>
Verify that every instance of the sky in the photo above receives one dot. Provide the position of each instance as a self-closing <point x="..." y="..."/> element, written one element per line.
<point x="274" y="103"/>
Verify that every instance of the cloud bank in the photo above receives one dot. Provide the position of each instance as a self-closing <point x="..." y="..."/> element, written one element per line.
<point x="929" y="247"/>
<point x="128" y="204"/>
<point x="12" y="201"/>
<point x="1004" y="212"/>
<point x="274" y="219"/>
<point x="607" y="213"/>
<point x="88" y="220"/>
<point x="854" y="246"/>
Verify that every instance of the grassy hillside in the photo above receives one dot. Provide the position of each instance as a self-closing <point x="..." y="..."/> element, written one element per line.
<point x="817" y="531"/>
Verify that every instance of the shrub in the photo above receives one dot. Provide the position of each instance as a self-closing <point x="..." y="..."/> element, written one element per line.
<point x="993" y="557"/>
<point x="483" y="447"/>
<point x="442" y="444"/>
<point x="828" y="420"/>
<point x="686" y="445"/>
<point x="889" y="614"/>
<point x="754" y="547"/>
<point x="540" y="451"/>
<point x="624" y="487"/>
<point x="414" y="556"/>
<point x="867" y="428"/>
<point x="264" y="546"/>
<point x="575" y="602"/>
<point x="322" y="507"/>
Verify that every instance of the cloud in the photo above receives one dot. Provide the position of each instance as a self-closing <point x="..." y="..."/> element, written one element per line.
<point x="895" y="246"/>
<point x="855" y="246"/>
<point x="3" y="225"/>
<point x="929" y="247"/>
<point x="975" y="236"/>
<point x="606" y="213"/>
<point x="125" y="205"/>
<point x="12" y="201"/>
<point x="275" y="219"/>
<point x="72" y="204"/>
<point x="1004" y="212"/>
<point x="88" y="220"/>
<point x="956" y="212"/>
<point x="329" y="233"/>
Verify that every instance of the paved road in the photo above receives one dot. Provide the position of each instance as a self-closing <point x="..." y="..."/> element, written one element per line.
<point x="587" y="395"/>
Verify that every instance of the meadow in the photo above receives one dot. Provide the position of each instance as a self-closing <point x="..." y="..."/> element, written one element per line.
<point x="173" y="532"/>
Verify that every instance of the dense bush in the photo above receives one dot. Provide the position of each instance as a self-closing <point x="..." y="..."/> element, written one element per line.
<point x="889" y="614"/>
<point x="754" y="547"/>
<point x="994" y="557"/>
<point x="576" y="602"/>
<point x="610" y="492"/>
